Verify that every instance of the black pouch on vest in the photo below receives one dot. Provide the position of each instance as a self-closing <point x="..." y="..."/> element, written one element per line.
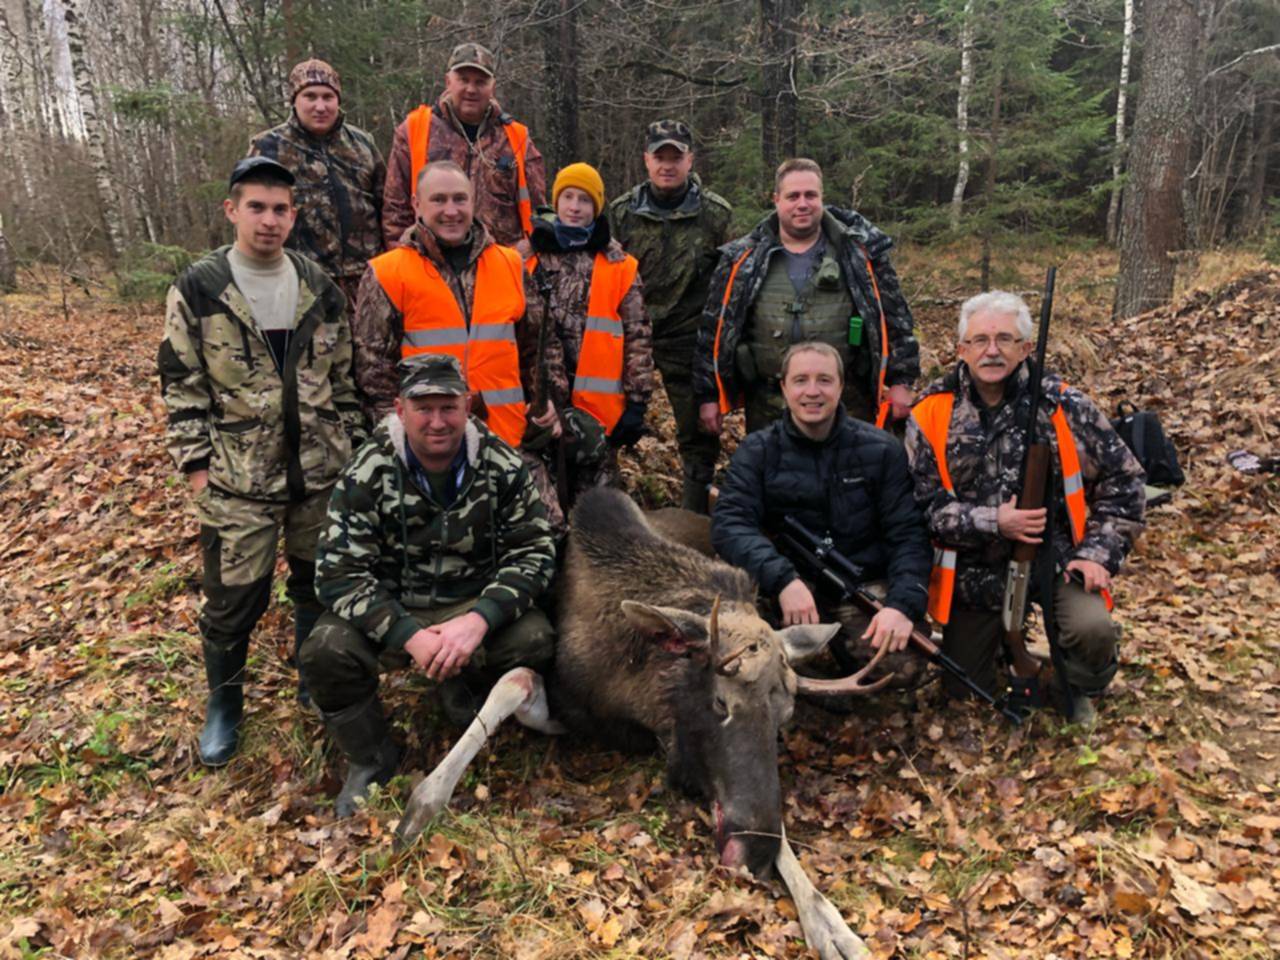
<point x="1142" y="433"/>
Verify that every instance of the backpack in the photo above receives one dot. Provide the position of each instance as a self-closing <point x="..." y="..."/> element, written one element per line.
<point x="1142" y="433"/>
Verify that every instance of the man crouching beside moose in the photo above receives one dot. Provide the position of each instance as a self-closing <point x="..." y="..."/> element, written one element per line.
<point x="844" y="480"/>
<point x="435" y="549"/>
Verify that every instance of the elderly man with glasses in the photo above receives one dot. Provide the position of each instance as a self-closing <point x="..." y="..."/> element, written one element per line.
<point x="966" y="442"/>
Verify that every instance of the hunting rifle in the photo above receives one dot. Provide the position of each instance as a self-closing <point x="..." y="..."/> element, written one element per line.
<point x="541" y="395"/>
<point x="845" y="577"/>
<point x="1033" y="494"/>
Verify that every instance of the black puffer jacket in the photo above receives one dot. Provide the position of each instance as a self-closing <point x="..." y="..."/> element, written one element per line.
<point x="854" y="486"/>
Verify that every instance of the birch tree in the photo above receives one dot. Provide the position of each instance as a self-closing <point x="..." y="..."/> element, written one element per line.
<point x="1117" y="165"/>
<point x="962" y="114"/>
<point x="95" y="142"/>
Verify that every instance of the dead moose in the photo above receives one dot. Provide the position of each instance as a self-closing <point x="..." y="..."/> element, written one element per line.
<point x="660" y="642"/>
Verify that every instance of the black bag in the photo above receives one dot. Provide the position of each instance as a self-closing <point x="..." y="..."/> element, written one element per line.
<point x="1142" y="433"/>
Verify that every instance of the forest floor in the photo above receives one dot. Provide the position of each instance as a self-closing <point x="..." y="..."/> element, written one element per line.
<point x="939" y="831"/>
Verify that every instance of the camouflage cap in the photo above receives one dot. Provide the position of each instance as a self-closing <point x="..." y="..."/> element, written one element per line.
<point x="431" y="373"/>
<point x="472" y="55"/>
<point x="310" y="73"/>
<point x="663" y="133"/>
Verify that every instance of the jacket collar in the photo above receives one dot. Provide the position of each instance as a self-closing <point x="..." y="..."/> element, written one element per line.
<point x="492" y="114"/>
<point x="543" y="239"/>
<point x="424" y="241"/>
<point x="788" y="426"/>
<point x="472" y="438"/>
<point x="642" y="201"/>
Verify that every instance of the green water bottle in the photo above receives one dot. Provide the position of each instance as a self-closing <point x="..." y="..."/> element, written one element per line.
<point x="855" y="331"/>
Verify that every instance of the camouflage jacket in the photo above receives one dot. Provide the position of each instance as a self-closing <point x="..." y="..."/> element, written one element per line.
<point x="489" y="163"/>
<point x="378" y="326"/>
<point x="569" y="273"/>
<point x="857" y="241"/>
<point x="677" y="250"/>
<point x="985" y="450"/>
<point x="260" y="435"/>
<point x="387" y="545"/>
<point x="338" y="192"/>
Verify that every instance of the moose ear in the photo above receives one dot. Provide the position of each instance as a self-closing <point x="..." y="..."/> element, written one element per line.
<point x="677" y="631"/>
<point x="806" y="640"/>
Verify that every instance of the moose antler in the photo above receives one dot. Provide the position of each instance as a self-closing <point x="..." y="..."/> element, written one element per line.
<point x="713" y="633"/>
<point x="851" y="684"/>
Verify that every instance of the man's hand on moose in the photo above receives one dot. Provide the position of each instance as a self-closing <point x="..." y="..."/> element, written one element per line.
<point x="458" y="639"/>
<point x="797" y="604"/>
<point x="891" y="627"/>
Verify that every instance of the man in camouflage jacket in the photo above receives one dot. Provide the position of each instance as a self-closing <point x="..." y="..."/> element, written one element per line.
<point x="673" y="226"/>
<point x="340" y="176"/>
<point x="262" y="416"/>
<point x="435" y="550"/>
<point x="467" y="127"/>
<point x="849" y="260"/>
<point x="985" y="441"/>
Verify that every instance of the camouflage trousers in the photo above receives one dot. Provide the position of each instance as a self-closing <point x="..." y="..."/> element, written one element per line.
<point x="699" y="450"/>
<point x="342" y="666"/>
<point x="765" y="404"/>
<point x="1088" y="637"/>
<point x="238" y="540"/>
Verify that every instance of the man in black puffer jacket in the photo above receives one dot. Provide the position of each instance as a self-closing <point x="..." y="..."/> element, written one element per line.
<point x="839" y="477"/>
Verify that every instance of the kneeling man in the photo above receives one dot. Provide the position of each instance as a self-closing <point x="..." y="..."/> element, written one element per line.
<point x="841" y="478"/>
<point x="966" y="440"/>
<point x="435" y="549"/>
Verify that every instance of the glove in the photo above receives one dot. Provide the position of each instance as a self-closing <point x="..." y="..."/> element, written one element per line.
<point x="630" y="426"/>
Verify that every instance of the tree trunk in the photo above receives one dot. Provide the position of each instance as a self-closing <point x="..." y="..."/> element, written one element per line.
<point x="8" y="264"/>
<point x="1117" y="165"/>
<point x="989" y="190"/>
<point x="93" y="126"/>
<point x="962" y="114"/>
<point x="1254" y="212"/>
<point x="1153" y="215"/>
<point x="560" y="72"/>
<point x="778" y="100"/>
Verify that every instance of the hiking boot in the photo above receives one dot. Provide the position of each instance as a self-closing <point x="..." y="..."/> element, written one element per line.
<point x="224" y="670"/>
<point x="1083" y="711"/>
<point x="361" y="734"/>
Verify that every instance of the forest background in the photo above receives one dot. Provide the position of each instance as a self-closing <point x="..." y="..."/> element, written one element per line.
<point x="1152" y="125"/>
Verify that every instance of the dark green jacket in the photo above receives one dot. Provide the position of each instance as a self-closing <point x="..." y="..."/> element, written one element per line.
<point x="677" y="250"/>
<point x="389" y="546"/>
<point x="260" y="434"/>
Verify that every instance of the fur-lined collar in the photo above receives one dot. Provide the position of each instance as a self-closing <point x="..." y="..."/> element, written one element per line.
<point x="472" y="437"/>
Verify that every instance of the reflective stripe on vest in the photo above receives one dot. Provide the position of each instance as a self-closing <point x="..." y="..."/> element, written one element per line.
<point x="882" y="402"/>
<point x="933" y="416"/>
<point x="725" y="403"/>
<point x="433" y="323"/>
<point x="418" y="133"/>
<point x="597" y="381"/>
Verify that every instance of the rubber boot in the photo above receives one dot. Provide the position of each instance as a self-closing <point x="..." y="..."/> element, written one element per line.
<point x="361" y="734"/>
<point x="224" y="669"/>
<point x="304" y="621"/>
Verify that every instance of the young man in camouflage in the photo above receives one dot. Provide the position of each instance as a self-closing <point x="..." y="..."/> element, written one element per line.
<point x="673" y="226"/>
<point x="806" y="272"/>
<point x="468" y="126"/>
<point x="435" y="550"/>
<point x="255" y="368"/>
<point x="966" y="440"/>
<point x="340" y="176"/>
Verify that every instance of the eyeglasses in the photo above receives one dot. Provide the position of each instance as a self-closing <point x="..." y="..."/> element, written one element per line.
<point x="1004" y="341"/>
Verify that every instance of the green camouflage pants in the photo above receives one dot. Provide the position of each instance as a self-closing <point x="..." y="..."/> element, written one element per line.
<point x="1087" y="634"/>
<point x="238" y="540"/>
<point x="698" y="449"/>
<point x="341" y="665"/>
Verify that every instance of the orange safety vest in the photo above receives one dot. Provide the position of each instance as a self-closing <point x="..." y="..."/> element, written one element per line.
<point x="882" y="404"/>
<point x="597" y="382"/>
<point x="486" y="347"/>
<point x="933" y="416"/>
<point x="418" y="132"/>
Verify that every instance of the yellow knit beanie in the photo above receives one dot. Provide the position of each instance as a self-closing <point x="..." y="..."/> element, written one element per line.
<point x="585" y="178"/>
